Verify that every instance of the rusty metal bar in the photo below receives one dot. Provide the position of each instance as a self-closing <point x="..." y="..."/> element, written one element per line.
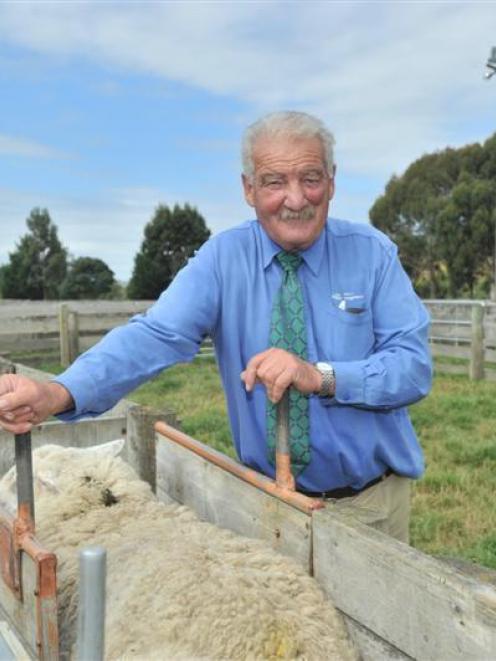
<point x="284" y="476"/>
<point x="297" y="500"/>
<point x="15" y="540"/>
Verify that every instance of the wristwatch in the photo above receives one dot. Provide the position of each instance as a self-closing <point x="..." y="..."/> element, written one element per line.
<point x="328" y="387"/>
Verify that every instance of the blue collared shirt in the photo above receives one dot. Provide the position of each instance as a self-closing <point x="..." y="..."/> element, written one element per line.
<point x="362" y="316"/>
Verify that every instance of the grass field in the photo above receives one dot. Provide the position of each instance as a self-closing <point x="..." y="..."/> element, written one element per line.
<point x="454" y="511"/>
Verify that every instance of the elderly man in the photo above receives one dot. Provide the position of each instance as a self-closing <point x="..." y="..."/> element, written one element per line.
<point x="293" y="301"/>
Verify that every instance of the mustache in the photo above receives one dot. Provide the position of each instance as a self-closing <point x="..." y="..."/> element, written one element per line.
<point x="307" y="213"/>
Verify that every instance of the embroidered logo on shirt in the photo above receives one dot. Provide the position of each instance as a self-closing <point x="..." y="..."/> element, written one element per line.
<point x="349" y="301"/>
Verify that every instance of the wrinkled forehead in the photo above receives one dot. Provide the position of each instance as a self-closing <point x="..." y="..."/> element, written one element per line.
<point x="285" y="152"/>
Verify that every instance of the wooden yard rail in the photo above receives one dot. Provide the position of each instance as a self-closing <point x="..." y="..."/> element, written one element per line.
<point x="459" y="329"/>
<point x="65" y="328"/>
<point x="465" y="329"/>
<point x="68" y="327"/>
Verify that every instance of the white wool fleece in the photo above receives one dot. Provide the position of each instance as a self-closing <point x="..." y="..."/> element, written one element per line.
<point x="177" y="588"/>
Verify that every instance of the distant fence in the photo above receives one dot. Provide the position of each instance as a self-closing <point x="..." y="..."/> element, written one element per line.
<point x="70" y="327"/>
<point x="460" y="329"/>
<point x="465" y="329"/>
<point x="66" y="328"/>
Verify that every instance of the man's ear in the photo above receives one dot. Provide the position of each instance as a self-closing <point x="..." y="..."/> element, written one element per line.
<point x="248" y="190"/>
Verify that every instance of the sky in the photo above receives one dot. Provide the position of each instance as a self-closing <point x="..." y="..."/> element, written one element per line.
<point x="108" y="109"/>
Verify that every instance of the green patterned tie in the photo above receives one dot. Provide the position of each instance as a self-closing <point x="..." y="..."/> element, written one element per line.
<point x="288" y="331"/>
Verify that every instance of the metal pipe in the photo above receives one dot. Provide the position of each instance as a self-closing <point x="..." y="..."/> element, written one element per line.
<point x="91" y="610"/>
<point x="24" y="468"/>
<point x="303" y="503"/>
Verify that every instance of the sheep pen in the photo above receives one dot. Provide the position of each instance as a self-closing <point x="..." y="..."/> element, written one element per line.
<point x="177" y="587"/>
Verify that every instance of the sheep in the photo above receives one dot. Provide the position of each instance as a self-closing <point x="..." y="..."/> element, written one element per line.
<point x="177" y="587"/>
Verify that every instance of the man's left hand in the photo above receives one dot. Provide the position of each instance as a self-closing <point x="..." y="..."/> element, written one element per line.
<point x="278" y="369"/>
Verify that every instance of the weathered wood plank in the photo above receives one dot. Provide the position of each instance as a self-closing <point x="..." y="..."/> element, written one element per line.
<point x="12" y="648"/>
<point x="21" y="615"/>
<point x="140" y="440"/>
<point x="221" y="498"/>
<point x="451" y="350"/>
<point x="372" y="648"/>
<point x="415" y="603"/>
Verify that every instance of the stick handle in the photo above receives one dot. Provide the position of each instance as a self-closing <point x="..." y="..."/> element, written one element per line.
<point x="284" y="476"/>
<point x="24" y="468"/>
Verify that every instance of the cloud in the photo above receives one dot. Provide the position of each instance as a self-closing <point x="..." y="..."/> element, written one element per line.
<point x="14" y="146"/>
<point x="394" y="80"/>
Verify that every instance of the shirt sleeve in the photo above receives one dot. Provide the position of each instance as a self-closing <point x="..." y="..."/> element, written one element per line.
<point x="171" y="331"/>
<point x="399" y="370"/>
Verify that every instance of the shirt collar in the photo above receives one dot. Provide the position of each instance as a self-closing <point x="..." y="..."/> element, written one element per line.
<point x="312" y="256"/>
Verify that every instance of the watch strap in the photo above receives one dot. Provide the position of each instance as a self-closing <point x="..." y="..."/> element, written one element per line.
<point x="328" y="386"/>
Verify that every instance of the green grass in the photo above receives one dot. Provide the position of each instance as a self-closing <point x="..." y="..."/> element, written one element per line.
<point x="453" y="504"/>
<point x="195" y="393"/>
<point x="453" y="511"/>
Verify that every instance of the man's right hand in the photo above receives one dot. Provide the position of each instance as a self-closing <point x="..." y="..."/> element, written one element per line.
<point x="25" y="403"/>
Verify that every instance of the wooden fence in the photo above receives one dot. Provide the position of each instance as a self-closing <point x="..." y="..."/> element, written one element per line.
<point x="465" y="329"/>
<point x="460" y="329"/>
<point x="64" y="329"/>
<point x="69" y="327"/>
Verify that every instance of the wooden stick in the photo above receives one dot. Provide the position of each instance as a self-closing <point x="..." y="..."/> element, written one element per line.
<point x="284" y="476"/>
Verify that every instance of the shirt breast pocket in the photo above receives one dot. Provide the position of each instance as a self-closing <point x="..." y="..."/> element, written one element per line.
<point x="351" y="331"/>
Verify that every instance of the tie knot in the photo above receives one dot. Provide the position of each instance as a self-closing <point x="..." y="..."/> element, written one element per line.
<point x="289" y="261"/>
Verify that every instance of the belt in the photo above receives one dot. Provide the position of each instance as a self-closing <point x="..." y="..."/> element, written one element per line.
<point x="346" y="492"/>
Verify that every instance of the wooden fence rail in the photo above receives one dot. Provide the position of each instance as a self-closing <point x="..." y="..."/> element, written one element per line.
<point x="459" y="329"/>
<point x="66" y="328"/>
<point x="465" y="329"/>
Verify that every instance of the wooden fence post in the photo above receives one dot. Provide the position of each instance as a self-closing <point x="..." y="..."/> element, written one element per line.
<point x="140" y="445"/>
<point x="476" y="371"/>
<point x="69" y="335"/>
<point x="73" y="335"/>
<point x="65" y="357"/>
<point x="6" y="366"/>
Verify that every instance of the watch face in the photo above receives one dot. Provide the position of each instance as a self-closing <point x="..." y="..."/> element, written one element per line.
<point x="324" y="367"/>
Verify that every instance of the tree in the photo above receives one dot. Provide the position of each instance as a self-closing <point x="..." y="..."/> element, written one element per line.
<point x="171" y="237"/>
<point x="38" y="265"/>
<point x="466" y="229"/>
<point x="440" y="212"/>
<point x="87" y="277"/>
<point x="2" y="275"/>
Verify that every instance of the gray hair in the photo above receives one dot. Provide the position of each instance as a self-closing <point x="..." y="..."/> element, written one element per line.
<point x="290" y="123"/>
